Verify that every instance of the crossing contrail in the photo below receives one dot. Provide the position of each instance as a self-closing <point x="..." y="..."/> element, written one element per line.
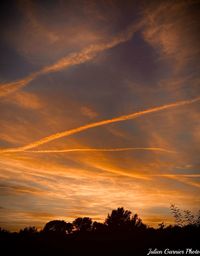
<point x="72" y="59"/>
<point x="100" y="123"/>
<point x="100" y="150"/>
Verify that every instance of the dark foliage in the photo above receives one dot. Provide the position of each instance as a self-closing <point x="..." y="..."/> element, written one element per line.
<point x="83" y="224"/>
<point x="121" y="232"/>
<point x="58" y="226"/>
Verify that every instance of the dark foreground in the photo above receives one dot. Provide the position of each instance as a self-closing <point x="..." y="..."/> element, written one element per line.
<point x="121" y="234"/>
<point x="92" y="243"/>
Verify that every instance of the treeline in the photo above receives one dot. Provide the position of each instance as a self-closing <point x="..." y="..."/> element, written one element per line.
<point x="121" y="231"/>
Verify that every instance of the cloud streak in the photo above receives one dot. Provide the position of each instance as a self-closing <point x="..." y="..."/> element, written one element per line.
<point x="100" y="150"/>
<point x="83" y="56"/>
<point x="173" y="31"/>
<point x="7" y="88"/>
<point x="100" y="123"/>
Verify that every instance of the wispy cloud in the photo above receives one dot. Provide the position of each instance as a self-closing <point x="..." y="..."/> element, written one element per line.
<point x="137" y="72"/>
<point x="26" y="100"/>
<point x="99" y="150"/>
<point x="101" y="123"/>
<point x="172" y="28"/>
<point x="184" y="178"/>
<point x="72" y="59"/>
<point x="7" y="88"/>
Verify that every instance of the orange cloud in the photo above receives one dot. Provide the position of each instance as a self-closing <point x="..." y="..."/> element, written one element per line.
<point x="100" y="123"/>
<point x="87" y="111"/>
<point x="99" y="150"/>
<point x="94" y="190"/>
<point x="184" y="178"/>
<point x="7" y="88"/>
<point x="25" y="100"/>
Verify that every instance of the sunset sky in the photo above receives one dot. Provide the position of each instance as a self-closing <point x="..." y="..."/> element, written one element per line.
<point x="99" y="108"/>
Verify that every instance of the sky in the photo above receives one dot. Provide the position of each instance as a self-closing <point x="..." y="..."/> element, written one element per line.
<point x="99" y="108"/>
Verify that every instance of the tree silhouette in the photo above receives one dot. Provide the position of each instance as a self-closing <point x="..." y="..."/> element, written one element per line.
<point x="83" y="224"/>
<point x="161" y="225"/>
<point x="178" y="216"/>
<point x="4" y="231"/>
<point x="121" y="233"/>
<point x="184" y="217"/>
<point x="136" y="222"/>
<point x="28" y="231"/>
<point x="57" y="226"/>
<point x="69" y="227"/>
<point x="99" y="227"/>
<point x="198" y="219"/>
<point x="118" y="219"/>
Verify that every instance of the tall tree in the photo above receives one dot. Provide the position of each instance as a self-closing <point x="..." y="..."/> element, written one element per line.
<point x="118" y="219"/>
<point x="57" y="226"/>
<point x="83" y="224"/>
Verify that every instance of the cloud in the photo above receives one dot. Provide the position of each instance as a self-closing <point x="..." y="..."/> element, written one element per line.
<point x="92" y="174"/>
<point x="72" y="59"/>
<point x="99" y="150"/>
<point x="19" y="189"/>
<point x="26" y="100"/>
<point x="100" y="123"/>
<point x="88" y="111"/>
<point x="7" y="88"/>
<point x="172" y="28"/>
<point x="40" y="39"/>
<point x="80" y="192"/>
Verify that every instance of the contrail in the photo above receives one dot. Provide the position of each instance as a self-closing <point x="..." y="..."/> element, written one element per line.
<point x="100" y="123"/>
<point x="183" y="178"/>
<point x="84" y="55"/>
<point x="7" y="88"/>
<point x="99" y="150"/>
